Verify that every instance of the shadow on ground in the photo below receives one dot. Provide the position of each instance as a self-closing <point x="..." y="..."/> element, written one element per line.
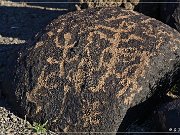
<point x="24" y="23"/>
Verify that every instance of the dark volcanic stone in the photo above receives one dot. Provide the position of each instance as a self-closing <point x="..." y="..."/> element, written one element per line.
<point x="167" y="11"/>
<point x="89" y="67"/>
<point x="167" y="117"/>
<point x="150" y="8"/>
<point x="170" y="13"/>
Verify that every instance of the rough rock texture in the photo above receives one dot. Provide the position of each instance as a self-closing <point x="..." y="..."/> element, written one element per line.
<point x="89" y="67"/>
<point x="167" y="117"/>
<point x="170" y="13"/>
<point x="147" y="7"/>
<point x="80" y="4"/>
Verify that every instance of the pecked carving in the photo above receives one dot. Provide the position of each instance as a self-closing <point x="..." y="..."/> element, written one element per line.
<point x="91" y="66"/>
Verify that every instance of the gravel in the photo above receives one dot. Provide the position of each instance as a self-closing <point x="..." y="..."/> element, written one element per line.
<point x="11" y="124"/>
<point x="10" y="40"/>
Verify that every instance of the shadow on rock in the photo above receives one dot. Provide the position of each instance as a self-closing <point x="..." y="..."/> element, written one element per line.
<point x="149" y="7"/>
<point x="167" y="117"/>
<point x="146" y="116"/>
<point x="8" y="59"/>
<point x="170" y="13"/>
<point x="167" y="12"/>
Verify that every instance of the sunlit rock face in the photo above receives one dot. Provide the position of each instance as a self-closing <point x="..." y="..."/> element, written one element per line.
<point x="87" y="68"/>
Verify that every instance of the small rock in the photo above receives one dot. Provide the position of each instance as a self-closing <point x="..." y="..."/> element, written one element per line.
<point x="11" y="39"/>
<point x="128" y="6"/>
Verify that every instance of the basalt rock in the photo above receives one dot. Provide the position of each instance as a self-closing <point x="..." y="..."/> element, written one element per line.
<point x="170" y="13"/>
<point x="147" y="7"/>
<point x="87" y="68"/>
<point x="167" y="117"/>
<point x="150" y="8"/>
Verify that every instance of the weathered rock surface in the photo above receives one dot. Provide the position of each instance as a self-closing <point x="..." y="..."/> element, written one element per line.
<point x="170" y="13"/>
<point x="167" y="117"/>
<point x="147" y="7"/>
<point x="87" y="68"/>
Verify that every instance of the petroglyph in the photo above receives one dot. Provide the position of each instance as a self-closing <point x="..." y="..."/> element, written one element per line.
<point x="90" y="68"/>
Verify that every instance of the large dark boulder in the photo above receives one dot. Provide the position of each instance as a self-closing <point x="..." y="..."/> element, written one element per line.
<point x="87" y="68"/>
<point x="170" y="13"/>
